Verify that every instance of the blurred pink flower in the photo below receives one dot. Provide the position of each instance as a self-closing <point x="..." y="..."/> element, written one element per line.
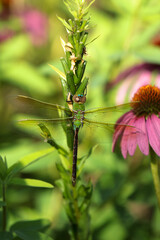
<point x="36" y="24"/>
<point x="133" y="78"/>
<point x="144" y="117"/>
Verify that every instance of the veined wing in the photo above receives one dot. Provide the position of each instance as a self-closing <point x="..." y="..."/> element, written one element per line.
<point x="44" y="121"/>
<point x="40" y="104"/>
<point x="106" y="125"/>
<point x="115" y="108"/>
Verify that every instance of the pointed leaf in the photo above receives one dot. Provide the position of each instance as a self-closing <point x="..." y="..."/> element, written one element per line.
<point x="83" y="160"/>
<point x="3" y="169"/>
<point x="86" y="9"/>
<point x="63" y="44"/>
<point x="61" y="74"/>
<point x="74" y="14"/>
<point x="32" y="235"/>
<point x="34" y="225"/>
<point x="6" y="236"/>
<point x="26" y="161"/>
<point x="93" y="40"/>
<point x="31" y="182"/>
<point x="65" y="23"/>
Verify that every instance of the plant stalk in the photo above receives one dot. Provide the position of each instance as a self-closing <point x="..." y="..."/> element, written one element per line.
<point x="155" y="173"/>
<point x="4" y="208"/>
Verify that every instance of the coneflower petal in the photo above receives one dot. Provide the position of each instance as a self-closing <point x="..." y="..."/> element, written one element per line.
<point x="156" y="123"/>
<point x="142" y="137"/>
<point x="119" y="129"/>
<point x="132" y="139"/>
<point x="124" y="141"/>
<point x="154" y="139"/>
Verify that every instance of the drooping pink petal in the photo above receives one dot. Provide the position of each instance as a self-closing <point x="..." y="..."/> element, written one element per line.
<point x="142" y="137"/>
<point x="154" y="139"/>
<point x="119" y="129"/>
<point x="116" y="135"/>
<point x="132" y="138"/>
<point x="125" y="117"/>
<point x="156" y="124"/>
<point x="125" y="137"/>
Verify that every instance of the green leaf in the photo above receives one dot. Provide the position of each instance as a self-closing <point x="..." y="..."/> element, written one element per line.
<point x="68" y="4"/>
<point x="31" y="235"/>
<point x="82" y="160"/>
<point x="3" y="169"/>
<point x="25" y="76"/>
<point x="30" y="182"/>
<point x="35" y="225"/>
<point x="149" y="54"/>
<point x="2" y="204"/>
<point x="9" y="50"/>
<point x="87" y="8"/>
<point x="6" y="236"/>
<point x="61" y="74"/>
<point x="65" y="23"/>
<point x="26" y="161"/>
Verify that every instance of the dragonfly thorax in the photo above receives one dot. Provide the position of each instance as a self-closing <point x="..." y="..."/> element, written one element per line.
<point x="78" y="118"/>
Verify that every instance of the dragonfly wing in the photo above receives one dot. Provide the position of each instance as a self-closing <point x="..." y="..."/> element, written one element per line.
<point x="44" y="121"/>
<point x="117" y="108"/>
<point x="40" y="104"/>
<point x="108" y="126"/>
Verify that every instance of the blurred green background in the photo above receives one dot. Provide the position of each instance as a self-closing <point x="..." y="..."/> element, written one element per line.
<point x="124" y="205"/>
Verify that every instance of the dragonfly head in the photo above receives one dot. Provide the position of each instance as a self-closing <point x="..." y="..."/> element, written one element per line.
<point x="79" y="98"/>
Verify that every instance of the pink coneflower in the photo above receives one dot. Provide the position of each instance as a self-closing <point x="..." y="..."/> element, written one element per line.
<point x="144" y="117"/>
<point x="135" y="77"/>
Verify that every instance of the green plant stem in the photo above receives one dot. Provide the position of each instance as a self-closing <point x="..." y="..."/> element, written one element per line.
<point x="4" y="209"/>
<point x="155" y="173"/>
<point x="75" y="225"/>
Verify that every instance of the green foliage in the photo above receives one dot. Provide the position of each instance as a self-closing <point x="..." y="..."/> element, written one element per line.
<point x="31" y="229"/>
<point x="30" y="182"/>
<point x="123" y="204"/>
<point x="26" y="161"/>
<point x="6" y="236"/>
<point x="7" y="178"/>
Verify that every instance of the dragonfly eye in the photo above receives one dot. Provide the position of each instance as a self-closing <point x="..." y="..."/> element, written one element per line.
<point x="79" y="98"/>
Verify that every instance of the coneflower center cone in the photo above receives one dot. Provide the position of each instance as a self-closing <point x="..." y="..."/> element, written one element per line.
<point x="146" y="101"/>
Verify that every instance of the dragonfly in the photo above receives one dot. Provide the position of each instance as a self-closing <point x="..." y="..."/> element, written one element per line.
<point x="76" y="115"/>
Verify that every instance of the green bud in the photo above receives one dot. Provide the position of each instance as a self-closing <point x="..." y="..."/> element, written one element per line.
<point x="64" y="88"/>
<point x="83" y="25"/>
<point x="70" y="39"/>
<point x="76" y="79"/>
<point x="80" y="69"/>
<point x="68" y="54"/>
<point x="84" y="38"/>
<point x="64" y="65"/>
<point x="80" y="51"/>
<point x="70" y="82"/>
<point x="82" y="86"/>
<point x="70" y="23"/>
